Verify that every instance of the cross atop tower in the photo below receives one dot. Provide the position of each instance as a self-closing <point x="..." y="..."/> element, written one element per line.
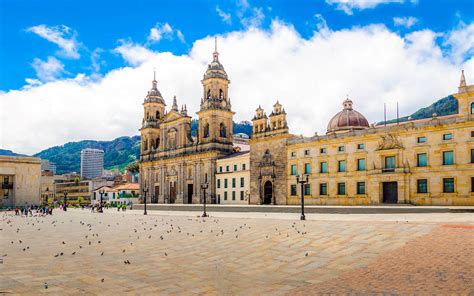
<point x="215" y="55"/>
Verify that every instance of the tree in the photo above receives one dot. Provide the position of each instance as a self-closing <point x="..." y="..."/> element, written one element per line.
<point x="133" y="168"/>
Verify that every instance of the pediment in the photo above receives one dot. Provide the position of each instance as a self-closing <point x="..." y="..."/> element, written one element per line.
<point x="172" y="116"/>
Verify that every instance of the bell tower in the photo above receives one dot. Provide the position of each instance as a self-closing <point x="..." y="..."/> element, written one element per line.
<point x="154" y="110"/>
<point x="215" y="114"/>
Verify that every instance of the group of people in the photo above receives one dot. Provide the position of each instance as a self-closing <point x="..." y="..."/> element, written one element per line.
<point x="28" y="210"/>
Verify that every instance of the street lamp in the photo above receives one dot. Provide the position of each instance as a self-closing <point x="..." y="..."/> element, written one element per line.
<point x="301" y="180"/>
<point x="65" y="201"/>
<point x="45" y="198"/>
<point x="204" y="186"/>
<point x="145" y="190"/>
<point x="101" y="192"/>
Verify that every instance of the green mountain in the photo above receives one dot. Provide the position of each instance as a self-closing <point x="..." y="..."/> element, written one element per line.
<point x="9" y="153"/>
<point x="444" y="106"/>
<point x="124" y="150"/>
<point x="118" y="153"/>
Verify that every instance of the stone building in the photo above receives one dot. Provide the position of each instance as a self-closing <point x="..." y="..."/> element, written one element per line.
<point x="173" y="164"/>
<point x="232" y="178"/>
<point x="424" y="162"/>
<point x="20" y="181"/>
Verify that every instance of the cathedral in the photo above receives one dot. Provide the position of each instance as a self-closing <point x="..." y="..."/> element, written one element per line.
<point x="173" y="163"/>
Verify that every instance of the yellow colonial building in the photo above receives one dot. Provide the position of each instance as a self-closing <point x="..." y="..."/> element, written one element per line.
<point x="232" y="178"/>
<point x="422" y="162"/>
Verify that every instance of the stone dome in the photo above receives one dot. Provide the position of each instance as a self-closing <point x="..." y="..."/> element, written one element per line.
<point x="348" y="119"/>
<point x="154" y="94"/>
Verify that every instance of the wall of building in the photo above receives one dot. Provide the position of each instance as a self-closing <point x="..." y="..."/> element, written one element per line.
<point x="233" y="170"/>
<point x="24" y="174"/>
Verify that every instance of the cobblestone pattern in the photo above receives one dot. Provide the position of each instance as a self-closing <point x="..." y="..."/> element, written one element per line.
<point x="439" y="263"/>
<point x="80" y="252"/>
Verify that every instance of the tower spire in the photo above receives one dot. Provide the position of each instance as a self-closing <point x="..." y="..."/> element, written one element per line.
<point x="215" y="55"/>
<point x="175" y="104"/>
<point x="462" y="83"/>
<point x="154" y="74"/>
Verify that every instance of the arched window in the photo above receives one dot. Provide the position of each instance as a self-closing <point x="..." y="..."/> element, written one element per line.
<point x="223" y="131"/>
<point x="147" y="115"/>
<point x="221" y="94"/>
<point x="157" y="143"/>
<point x="157" y="114"/>
<point x="208" y="93"/>
<point x="145" y="145"/>
<point x="206" y="130"/>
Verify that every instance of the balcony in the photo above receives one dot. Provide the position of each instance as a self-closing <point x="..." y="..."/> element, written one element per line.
<point x="7" y="185"/>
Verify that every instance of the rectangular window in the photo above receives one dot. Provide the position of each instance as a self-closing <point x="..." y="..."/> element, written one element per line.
<point x="421" y="139"/>
<point x="472" y="184"/>
<point x="227" y="168"/>
<point x="360" y="187"/>
<point x="307" y="168"/>
<point x="472" y="108"/>
<point x="448" y="185"/>
<point x="422" y="186"/>
<point x="341" y="166"/>
<point x="421" y="160"/>
<point x="390" y="162"/>
<point x="218" y="183"/>
<point x="448" y="158"/>
<point x="293" y="169"/>
<point x="293" y="190"/>
<point x="293" y="154"/>
<point x="225" y="195"/>
<point x="322" y="150"/>
<point x="360" y="146"/>
<point x="340" y="148"/>
<point x="472" y="134"/>
<point x="235" y="167"/>
<point x="233" y="183"/>
<point x="306" y="152"/>
<point x="472" y="155"/>
<point x="447" y="137"/>
<point x="220" y="169"/>
<point x="323" y="189"/>
<point x="241" y="195"/>
<point x="323" y="167"/>
<point x="243" y="167"/>
<point x="361" y="164"/>
<point x="341" y="188"/>
<point x="233" y="195"/>
<point x="242" y="182"/>
<point x="225" y="183"/>
<point x="307" y="189"/>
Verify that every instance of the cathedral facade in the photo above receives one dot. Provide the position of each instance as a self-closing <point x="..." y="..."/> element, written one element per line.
<point x="422" y="162"/>
<point x="173" y="163"/>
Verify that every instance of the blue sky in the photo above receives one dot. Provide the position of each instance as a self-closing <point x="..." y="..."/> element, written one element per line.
<point x="74" y="70"/>
<point x="100" y="24"/>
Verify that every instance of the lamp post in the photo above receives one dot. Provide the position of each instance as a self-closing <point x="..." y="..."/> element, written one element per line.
<point x="65" y="201"/>
<point x="302" y="180"/>
<point x="145" y="190"/>
<point x="45" y="198"/>
<point x="204" y="186"/>
<point x="101" y="192"/>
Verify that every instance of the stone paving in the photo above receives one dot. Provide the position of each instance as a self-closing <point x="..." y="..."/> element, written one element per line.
<point x="79" y="252"/>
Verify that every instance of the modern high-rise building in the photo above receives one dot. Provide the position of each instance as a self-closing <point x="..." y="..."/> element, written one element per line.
<point x="92" y="163"/>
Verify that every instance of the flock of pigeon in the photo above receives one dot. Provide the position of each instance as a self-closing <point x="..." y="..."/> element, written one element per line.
<point x="151" y="226"/>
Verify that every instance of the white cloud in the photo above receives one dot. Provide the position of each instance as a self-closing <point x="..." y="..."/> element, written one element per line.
<point x="348" y="6"/>
<point x="159" y="32"/>
<point x="62" y="36"/>
<point x="226" y="17"/>
<point x="132" y="53"/>
<point x="310" y="77"/>
<point x="49" y="70"/>
<point x="406" y="22"/>
<point x="180" y="36"/>
<point x="461" y="41"/>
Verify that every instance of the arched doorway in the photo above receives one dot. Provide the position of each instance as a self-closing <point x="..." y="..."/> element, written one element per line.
<point x="267" y="193"/>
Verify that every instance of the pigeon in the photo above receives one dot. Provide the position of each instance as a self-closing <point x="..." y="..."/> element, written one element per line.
<point x="73" y="253"/>
<point x="61" y="253"/>
<point x="56" y="255"/>
<point x="166" y="254"/>
<point x="46" y="285"/>
<point x="102" y="280"/>
<point x="306" y="254"/>
<point x="64" y="243"/>
<point x="123" y="251"/>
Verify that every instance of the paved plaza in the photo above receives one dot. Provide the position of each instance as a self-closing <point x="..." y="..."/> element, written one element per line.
<point x="237" y="253"/>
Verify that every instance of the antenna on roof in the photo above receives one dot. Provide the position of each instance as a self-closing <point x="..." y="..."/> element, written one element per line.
<point x="398" y="120"/>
